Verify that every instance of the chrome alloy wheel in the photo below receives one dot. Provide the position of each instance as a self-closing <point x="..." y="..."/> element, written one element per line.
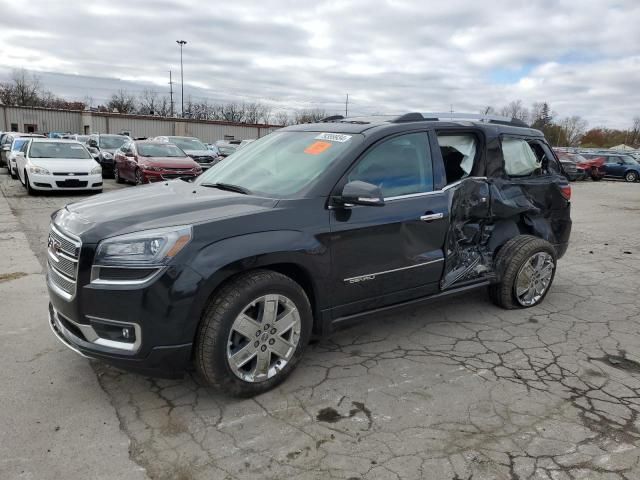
<point x="263" y="338"/>
<point x="534" y="278"/>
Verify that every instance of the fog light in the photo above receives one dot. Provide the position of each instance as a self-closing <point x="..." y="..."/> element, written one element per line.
<point x="126" y="333"/>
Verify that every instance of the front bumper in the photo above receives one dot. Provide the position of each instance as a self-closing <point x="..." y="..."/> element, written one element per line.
<point x="59" y="182"/>
<point x="159" y="176"/>
<point x="160" y="315"/>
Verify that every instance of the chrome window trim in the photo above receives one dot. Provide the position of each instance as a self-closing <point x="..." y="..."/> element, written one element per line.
<point x="96" y="280"/>
<point x="372" y="276"/>
<point x="433" y="192"/>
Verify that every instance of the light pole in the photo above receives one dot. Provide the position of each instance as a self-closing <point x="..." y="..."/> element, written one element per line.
<point x="182" y="43"/>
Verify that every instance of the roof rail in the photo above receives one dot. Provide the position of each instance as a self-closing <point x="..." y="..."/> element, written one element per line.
<point x="443" y="116"/>
<point x="332" y="118"/>
<point x="481" y="117"/>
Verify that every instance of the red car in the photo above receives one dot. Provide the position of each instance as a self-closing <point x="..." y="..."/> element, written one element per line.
<point x="150" y="161"/>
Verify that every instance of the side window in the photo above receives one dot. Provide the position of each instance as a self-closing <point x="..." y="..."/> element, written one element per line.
<point x="458" y="154"/>
<point x="399" y="166"/>
<point x="519" y="158"/>
<point x="24" y="147"/>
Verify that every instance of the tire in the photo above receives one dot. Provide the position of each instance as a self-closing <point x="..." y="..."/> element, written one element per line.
<point x="631" y="177"/>
<point x="513" y="266"/>
<point x="595" y="178"/>
<point x="116" y="175"/>
<point x="218" y="337"/>
<point x="138" y="176"/>
<point x="30" y="191"/>
<point x="13" y="173"/>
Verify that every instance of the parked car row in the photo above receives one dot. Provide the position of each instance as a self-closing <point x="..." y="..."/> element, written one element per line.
<point x="598" y="165"/>
<point x="136" y="161"/>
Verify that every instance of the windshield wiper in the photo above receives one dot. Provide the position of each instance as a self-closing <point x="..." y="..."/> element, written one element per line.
<point x="229" y="187"/>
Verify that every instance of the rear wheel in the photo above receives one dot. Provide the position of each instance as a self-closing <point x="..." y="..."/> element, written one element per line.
<point x="253" y="333"/>
<point x="12" y="172"/>
<point x="526" y="266"/>
<point x="631" y="177"/>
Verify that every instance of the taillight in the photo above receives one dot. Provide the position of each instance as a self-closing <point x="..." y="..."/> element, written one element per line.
<point x="566" y="191"/>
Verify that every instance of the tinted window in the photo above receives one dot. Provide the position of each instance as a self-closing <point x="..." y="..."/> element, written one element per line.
<point x="399" y="166"/>
<point x="17" y="144"/>
<point x="112" y="142"/>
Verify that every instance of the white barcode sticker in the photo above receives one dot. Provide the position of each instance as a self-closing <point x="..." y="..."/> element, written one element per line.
<point x="334" y="137"/>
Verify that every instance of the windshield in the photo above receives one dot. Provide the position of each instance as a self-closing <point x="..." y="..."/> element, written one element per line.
<point x="186" y="143"/>
<point x="111" y="143"/>
<point x="159" y="150"/>
<point x="281" y="163"/>
<point x="58" y="150"/>
<point x="17" y="144"/>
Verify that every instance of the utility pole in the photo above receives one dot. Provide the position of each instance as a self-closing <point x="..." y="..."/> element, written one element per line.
<point x="182" y="43"/>
<point x="171" y="92"/>
<point x="346" y="106"/>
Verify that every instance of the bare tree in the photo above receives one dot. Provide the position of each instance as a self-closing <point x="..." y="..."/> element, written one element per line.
<point x="309" y="116"/>
<point x="282" y="118"/>
<point x="148" y="102"/>
<point x="26" y="89"/>
<point x="573" y="129"/>
<point x="122" y="102"/>
<point x="634" y="133"/>
<point x="515" y="109"/>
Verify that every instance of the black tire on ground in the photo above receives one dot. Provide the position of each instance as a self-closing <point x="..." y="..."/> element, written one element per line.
<point x="138" y="177"/>
<point x="510" y="258"/>
<point x="631" y="177"/>
<point x="116" y="175"/>
<point x="13" y="174"/>
<point x="27" y="185"/>
<point x="218" y="318"/>
<point x="595" y="178"/>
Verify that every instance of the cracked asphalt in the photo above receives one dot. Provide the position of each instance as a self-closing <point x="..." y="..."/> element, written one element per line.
<point x="458" y="389"/>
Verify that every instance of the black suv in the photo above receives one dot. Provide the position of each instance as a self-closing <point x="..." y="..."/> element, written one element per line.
<point x="303" y="231"/>
<point x="103" y="147"/>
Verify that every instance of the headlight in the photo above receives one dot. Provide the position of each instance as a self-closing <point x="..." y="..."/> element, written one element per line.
<point x="148" y="247"/>
<point x="95" y="170"/>
<point x="106" y="155"/>
<point x="151" y="168"/>
<point x="38" y="170"/>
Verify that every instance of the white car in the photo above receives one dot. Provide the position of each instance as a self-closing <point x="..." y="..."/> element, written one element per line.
<point x="15" y="147"/>
<point x="46" y="164"/>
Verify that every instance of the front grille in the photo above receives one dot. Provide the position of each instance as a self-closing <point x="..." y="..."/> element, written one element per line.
<point x="75" y="174"/>
<point x="200" y="159"/>
<point x="63" y="252"/>
<point x="176" y="175"/>
<point x="74" y="183"/>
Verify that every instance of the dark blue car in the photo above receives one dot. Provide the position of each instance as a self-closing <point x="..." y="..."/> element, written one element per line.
<point x="618" y="165"/>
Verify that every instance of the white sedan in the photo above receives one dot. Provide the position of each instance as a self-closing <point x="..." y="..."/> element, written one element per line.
<point x="46" y="164"/>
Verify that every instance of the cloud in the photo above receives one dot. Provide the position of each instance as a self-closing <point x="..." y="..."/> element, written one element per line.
<point x="391" y="56"/>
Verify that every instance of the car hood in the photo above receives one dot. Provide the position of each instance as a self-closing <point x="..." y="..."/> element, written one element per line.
<point x="200" y="153"/>
<point x="61" y="165"/>
<point x="153" y="206"/>
<point x="168" y="162"/>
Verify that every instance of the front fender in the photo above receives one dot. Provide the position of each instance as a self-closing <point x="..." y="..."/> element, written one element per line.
<point x="219" y="261"/>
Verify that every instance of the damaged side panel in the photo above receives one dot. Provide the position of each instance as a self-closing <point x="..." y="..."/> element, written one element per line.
<point x="485" y="213"/>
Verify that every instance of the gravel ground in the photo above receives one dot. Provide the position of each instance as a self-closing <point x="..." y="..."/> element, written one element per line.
<point x="455" y="390"/>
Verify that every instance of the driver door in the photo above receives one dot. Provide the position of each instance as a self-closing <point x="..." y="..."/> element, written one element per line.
<point x="388" y="254"/>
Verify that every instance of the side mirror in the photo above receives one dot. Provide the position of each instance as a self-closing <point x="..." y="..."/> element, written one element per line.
<point x="361" y="193"/>
<point x="19" y="154"/>
<point x="128" y="154"/>
<point x="6" y="148"/>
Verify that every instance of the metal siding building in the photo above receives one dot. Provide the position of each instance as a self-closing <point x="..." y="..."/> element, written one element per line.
<point x="44" y="120"/>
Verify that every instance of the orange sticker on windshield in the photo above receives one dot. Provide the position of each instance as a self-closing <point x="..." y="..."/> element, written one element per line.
<point x="316" y="148"/>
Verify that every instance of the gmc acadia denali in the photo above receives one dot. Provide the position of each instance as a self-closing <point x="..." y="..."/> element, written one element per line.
<point x="305" y="230"/>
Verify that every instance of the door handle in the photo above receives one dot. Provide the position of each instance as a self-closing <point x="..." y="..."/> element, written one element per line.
<point x="430" y="217"/>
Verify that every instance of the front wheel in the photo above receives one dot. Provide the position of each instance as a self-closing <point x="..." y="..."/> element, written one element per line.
<point x="526" y="266"/>
<point x="139" y="177"/>
<point x="253" y="333"/>
<point x="12" y="172"/>
<point x="116" y="175"/>
<point x="27" y="184"/>
<point x="631" y="177"/>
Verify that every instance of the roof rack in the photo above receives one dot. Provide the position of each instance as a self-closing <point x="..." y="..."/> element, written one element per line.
<point x="443" y="116"/>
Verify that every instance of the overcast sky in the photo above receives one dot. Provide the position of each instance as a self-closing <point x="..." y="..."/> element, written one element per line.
<point x="390" y="56"/>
